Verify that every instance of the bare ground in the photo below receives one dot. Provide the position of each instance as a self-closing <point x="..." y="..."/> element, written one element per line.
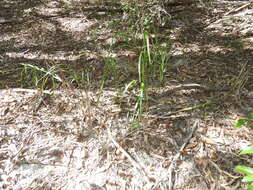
<point x="75" y="138"/>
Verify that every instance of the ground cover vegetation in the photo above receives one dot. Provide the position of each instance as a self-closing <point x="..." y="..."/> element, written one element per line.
<point x="104" y="94"/>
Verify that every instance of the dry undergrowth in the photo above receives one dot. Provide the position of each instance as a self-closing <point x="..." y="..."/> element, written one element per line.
<point x="82" y="139"/>
<point x="73" y="142"/>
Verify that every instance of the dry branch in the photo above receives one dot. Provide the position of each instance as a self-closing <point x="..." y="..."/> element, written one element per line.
<point x="126" y="154"/>
<point x="234" y="11"/>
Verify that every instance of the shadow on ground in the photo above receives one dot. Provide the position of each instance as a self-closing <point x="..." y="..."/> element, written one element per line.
<point x="209" y="80"/>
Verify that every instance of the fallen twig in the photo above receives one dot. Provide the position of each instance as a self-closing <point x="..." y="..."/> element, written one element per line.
<point x="234" y="11"/>
<point x="191" y="86"/>
<point x="186" y="109"/>
<point x="132" y="161"/>
<point x="222" y="171"/>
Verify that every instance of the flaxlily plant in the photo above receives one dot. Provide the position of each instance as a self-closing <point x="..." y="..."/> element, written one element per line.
<point x="246" y="170"/>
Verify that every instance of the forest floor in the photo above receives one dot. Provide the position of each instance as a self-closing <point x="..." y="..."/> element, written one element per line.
<point x="86" y="130"/>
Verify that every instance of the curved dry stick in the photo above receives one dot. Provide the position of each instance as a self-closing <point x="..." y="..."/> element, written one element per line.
<point x="132" y="161"/>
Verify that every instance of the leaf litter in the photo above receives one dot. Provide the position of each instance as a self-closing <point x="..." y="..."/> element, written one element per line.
<point x="81" y="139"/>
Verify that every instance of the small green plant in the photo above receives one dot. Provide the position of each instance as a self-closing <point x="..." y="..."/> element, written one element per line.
<point x="129" y="86"/>
<point x="145" y="62"/>
<point x="136" y="116"/>
<point x="160" y="61"/>
<point x="246" y="121"/>
<point x="135" y="126"/>
<point x="109" y="73"/>
<point x="163" y="65"/>
<point x="143" y="71"/>
<point x="150" y="64"/>
<point x="100" y="91"/>
<point x="39" y="77"/>
<point x="110" y="70"/>
<point x="144" y="65"/>
<point x="247" y="171"/>
<point x="79" y="78"/>
<point x="236" y="44"/>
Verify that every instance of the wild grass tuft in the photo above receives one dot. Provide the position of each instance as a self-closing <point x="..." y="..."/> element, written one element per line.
<point x="39" y="77"/>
